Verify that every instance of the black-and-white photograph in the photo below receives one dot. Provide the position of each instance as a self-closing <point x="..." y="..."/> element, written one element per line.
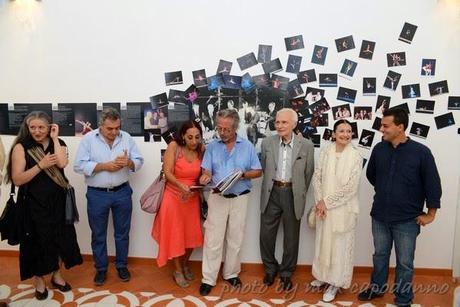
<point x="341" y="112"/>
<point x="159" y="100"/>
<point x="294" y="88"/>
<point x="214" y="82"/>
<point x="156" y="118"/>
<point x="345" y="43"/>
<point x="319" y="55"/>
<point x="377" y="123"/>
<point x="307" y="76"/>
<point x="419" y="130"/>
<point x="445" y="120"/>
<point x="369" y="86"/>
<point x="346" y="94"/>
<point x="424" y="106"/>
<point x="279" y="82"/>
<point x="362" y="113"/>
<point x="410" y="91"/>
<point x="316" y="140"/>
<point x="132" y="117"/>
<point x="262" y="80"/>
<point x="64" y="117"/>
<point x="327" y="134"/>
<point x="191" y="93"/>
<point x="327" y="80"/>
<point x="247" y="61"/>
<point x="383" y="103"/>
<point x="396" y="59"/>
<point x="403" y="106"/>
<point x="300" y="105"/>
<point x="320" y="120"/>
<point x="313" y="95"/>
<point x="438" y="88"/>
<point x="428" y="67"/>
<point x="294" y="42"/>
<point x="407" y="33"/>
<point x="199" y="78"/>
<point x="348" y="68"/>
<point x="169" y="135"/>
<point x="152" y="135"/>
<point x="231" y="81"/>
<point x="264" y="54"/>
<point x="176" y="96"/>
<point x="319" y="107"/>
<point x="354" y="130"/>
<point x="293" y="64"/>
<point x="247" y="83"/>
<point x="366" y="139"/>
<point x="367" y="50"/>
<point x="453" y="103"/>
<point x="392" y="80"/>
<point x="224" y="67"/>
<point x="272" y="66"/>
<point x="174" y="77"/>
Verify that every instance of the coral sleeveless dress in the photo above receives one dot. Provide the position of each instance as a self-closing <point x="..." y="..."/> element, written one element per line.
<point x="177" y="225"/>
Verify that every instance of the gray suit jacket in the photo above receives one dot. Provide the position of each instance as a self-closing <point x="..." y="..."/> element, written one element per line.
<point x="302" y="170"/>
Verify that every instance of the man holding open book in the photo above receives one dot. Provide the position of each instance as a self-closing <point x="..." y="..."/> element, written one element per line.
<point x="229" y="163"/>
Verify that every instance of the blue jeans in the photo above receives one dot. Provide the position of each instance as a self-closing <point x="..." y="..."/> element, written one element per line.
<point x="404" y="236"/>
<point x="99" y="205"/>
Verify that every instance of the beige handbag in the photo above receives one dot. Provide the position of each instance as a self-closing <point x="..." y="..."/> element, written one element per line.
<point x="311" y="217"/>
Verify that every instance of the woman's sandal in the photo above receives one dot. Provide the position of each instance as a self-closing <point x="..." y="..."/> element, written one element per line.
<point x="187" y="273"/>
<point x="180" y="280"/>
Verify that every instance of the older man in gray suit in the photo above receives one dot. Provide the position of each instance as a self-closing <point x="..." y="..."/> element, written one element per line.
<point x="287" y="161"/>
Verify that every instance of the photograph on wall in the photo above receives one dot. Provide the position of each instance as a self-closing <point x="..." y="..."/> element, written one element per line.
<point x="21" y="110"/>
<point x="214" y="82"/>
<point x="300" y="105"/>
<point x="306" y="76"/>
<point x="159" y="100"/>
<point x="173" y="116"/>
<point x="204" y="112"/>
<point x="294" y="42"/>
<point x="173" y="77"/>
<point x="354" y="130"/>
<point x="403" y="106"/>
<point x="348" y="68"/>
<point x="377" y="123"/>
<point x="453" y="103"/>
<point x="341" y="112"/>
<point x="327" y="80"/>
<point x="313" y="94"/>
<point x="293" y="64"/>
<point x="407" y="33"/>
<point x="228" y="99"/>
<point x="327" y="134"/>
<point x="392" y="80"/>
<point x="232" y="81"/>
<point x="3" y="118"/>
<point x="319" y="55"/>
<point x="346" y="94"/>
<point x="272" y="66"/>
<point x="262" y="80"/>
<point x="176" y="96"/>
<point x="424" y="106"/>
<point x="294" y="88"/>
<point x="396" y="59"/>
<point x="152" y="135"/>
<point x="319" y="107"/>
<point x="264" y="54"/>
<point x="199" y="78"/>
<point x="410" y="91"/>
<point x="305" y="128"/>
<point x="156" y="117"/>
<point x="247" y="83"/>
<point x="190" y="94"/>
<point x="64" y="117"/>
<point x="224" y="67"/>
<point x="133" y="117"/>
<point x="316" y="140"/>
<point x="105" y="105"/>
<point x="382" y="104"/>
<point x="247" y="61"/>
<point x="428" y="67"/>
<point x="269" y="102"/>
<point x="320" y="120"/>
<point x="419" y="130"/>
<point x="367" y="50"/>
<point x="362" y="113"/>
<point x="85" y="117"/>
<point x="369" y="86"/>
<point x="366" y="139"/>
<point x="345" y="43"/>
<point x="445" y="120"/>
<point x="279" y="82"/>
<point x="169" y="135"/>
<point x="438" y="88"/>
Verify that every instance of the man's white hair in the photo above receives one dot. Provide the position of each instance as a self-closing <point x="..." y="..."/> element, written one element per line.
<point x="293" y="113"/>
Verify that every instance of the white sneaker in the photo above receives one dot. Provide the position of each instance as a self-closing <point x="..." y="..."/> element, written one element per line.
<point x="330" y="293"/>
<point x="317" y="283"/>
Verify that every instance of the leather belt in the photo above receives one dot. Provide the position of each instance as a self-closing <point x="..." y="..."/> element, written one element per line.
<point x="282" y="184"/>
<point x="112" y="189"/>
<point x="231" y="195"/>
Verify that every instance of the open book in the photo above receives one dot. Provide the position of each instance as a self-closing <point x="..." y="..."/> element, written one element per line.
<point x="227" y="182"/>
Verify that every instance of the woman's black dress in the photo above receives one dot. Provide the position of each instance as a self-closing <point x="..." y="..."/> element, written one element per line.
<point x="46" y="238"/>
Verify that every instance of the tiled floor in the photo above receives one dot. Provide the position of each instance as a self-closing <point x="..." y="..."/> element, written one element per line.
<point x="151" y="286"/>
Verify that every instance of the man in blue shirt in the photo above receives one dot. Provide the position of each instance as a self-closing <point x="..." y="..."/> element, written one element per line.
<point x="227" y="212"/>
<point x="105" y="157"/>
<point x="404" y="175"/>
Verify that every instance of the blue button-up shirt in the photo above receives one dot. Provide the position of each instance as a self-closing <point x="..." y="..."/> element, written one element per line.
<point x="220" y="162"/>
<point x="93" y="149"/>
<point x="404" y="178"/>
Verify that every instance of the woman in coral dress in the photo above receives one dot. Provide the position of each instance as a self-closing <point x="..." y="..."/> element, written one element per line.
<point x="177" y="225"/>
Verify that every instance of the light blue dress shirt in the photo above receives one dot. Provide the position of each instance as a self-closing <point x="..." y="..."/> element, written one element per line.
<point x="93" y="149"/>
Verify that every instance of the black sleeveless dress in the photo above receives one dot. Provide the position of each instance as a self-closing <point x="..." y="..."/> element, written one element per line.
<point x="46" y="238"/>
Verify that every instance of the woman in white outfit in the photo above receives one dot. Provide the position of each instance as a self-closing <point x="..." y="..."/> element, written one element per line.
<point x="335" y="181"/>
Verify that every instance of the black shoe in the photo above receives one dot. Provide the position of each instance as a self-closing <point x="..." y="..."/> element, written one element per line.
<point x="269" y="279"/>
<point x="287" y="283"/>
<point x="205" y="289"/>
<point x="63" y="288"/>
<point x="99" y="278"/>
<point x="41" y="295"/>
<point x="124" y="274"/>
<point x="234" y="281"/>
<point x="368" y="295"/>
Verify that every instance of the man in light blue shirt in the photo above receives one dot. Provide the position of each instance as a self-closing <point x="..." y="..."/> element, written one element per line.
<point x="105" y="157"/>
<point x="227" y="212"/>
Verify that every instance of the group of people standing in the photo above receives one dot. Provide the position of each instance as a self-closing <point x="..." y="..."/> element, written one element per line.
<point x="402" y="171"/>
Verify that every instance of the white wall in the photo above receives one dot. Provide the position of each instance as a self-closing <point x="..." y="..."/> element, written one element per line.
<point x="117" y="50"/>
